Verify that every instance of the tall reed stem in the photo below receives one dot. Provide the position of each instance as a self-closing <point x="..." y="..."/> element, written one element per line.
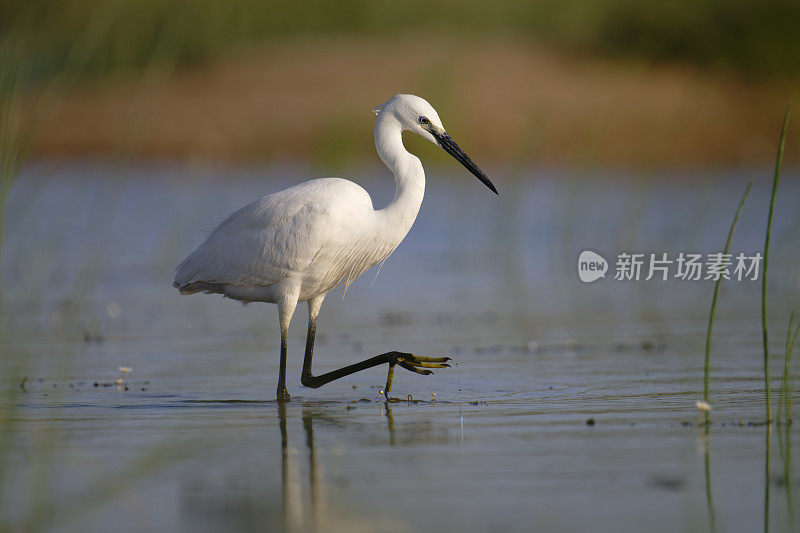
<point x="714" y="300"/>
<point x="776" y="177"/>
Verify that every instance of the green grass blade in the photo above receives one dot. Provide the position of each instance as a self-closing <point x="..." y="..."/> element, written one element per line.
<point x="714" y="299"/>
<point x="776" y="177"/>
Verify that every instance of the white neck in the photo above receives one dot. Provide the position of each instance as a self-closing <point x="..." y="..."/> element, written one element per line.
<point x="409" y="176"/>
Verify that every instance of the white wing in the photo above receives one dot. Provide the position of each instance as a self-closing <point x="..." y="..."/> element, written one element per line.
<point x="276" y="236"/>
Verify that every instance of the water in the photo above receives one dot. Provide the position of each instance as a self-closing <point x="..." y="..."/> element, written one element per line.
<point x="504" y="440"/>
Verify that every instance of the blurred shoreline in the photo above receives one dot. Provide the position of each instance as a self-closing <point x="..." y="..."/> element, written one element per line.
<point x="505" y="100"/>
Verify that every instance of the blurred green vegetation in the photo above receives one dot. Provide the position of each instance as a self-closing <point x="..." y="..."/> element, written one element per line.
<point x="755" y="38"/>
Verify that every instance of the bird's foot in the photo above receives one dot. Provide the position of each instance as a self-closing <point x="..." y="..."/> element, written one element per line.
<point x="283" y="396"/>
<point x="414" y="363"/>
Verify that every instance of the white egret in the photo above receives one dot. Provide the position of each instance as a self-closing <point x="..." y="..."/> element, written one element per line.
<point x="300" y="243"/>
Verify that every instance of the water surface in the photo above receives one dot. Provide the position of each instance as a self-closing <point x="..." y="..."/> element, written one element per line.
<point x="571" y="406"/>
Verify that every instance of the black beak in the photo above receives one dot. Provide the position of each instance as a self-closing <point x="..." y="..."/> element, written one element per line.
<point x="450" y="146"/>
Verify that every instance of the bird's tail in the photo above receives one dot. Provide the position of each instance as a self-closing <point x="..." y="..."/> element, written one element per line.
<point x="199" y="286"/>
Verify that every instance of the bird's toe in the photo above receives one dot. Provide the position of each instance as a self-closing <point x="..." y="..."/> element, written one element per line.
<point x="423" y="359"/>
<point x="420" y="365"/>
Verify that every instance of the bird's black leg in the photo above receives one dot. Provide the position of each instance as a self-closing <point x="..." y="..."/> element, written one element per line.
<point x="420" y="365"/>
<point x="305" y="377"/>
<point x="283" y="394"/>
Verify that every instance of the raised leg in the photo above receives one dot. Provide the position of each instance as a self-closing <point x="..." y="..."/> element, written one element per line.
<point x="420" y="365"/>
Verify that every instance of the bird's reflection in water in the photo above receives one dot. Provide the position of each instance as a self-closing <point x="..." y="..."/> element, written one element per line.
<point x="242" y="485"/>
<point x="390" y="418"/>
<point x="316" y="517"/>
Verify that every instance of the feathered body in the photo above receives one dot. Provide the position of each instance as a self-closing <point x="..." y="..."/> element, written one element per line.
<point x="295" y="240"/>
<point x="306" y="240"/>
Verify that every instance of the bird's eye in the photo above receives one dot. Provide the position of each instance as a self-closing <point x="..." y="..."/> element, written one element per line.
<point x="423" y="120"/>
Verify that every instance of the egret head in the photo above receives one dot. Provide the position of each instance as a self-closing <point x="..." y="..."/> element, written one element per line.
<point x="417" y="115"/>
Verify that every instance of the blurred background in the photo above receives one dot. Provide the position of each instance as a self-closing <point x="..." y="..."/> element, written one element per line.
<point x="576" y="83"/>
